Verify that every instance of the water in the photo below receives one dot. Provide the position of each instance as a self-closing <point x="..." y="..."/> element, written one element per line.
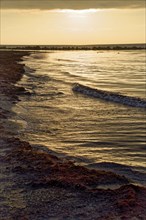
<point x="90" y="131"/>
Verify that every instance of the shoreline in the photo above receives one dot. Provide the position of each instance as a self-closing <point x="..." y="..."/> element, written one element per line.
<point x="47" y="186"/>
<point x="98" y="47"/>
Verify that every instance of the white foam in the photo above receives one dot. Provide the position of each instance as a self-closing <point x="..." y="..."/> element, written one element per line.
<point x="110" y="96"/>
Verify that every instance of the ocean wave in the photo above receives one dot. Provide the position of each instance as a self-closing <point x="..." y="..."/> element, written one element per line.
<point x="39" y="56"/>
<point x="110" y="96"/>
<point x="27" y="69"/>
<point x="136" y="174"/>
<point x="66" y="60"/>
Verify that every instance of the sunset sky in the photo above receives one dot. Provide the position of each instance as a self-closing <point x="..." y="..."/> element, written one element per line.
<point x="47" y="22"/>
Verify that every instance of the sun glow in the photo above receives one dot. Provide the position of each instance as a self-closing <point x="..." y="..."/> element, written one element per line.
<point x="85" y="11"/>
<point x="67" y="26"/>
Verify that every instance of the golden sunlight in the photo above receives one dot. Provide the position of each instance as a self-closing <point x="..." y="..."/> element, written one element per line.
<point x="71" y="11"/>
<point x="89" y="26"/>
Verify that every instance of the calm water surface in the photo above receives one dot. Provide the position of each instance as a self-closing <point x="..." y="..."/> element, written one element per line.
<point x="90" y="131"/>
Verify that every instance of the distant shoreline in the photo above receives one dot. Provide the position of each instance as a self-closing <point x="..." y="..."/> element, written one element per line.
<point x="76" y="47"/>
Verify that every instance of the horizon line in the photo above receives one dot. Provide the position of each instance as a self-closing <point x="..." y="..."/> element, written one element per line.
<point x="72" y="44"/>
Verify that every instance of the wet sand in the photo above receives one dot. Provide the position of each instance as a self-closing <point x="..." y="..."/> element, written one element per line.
<point x="37" y="185"/>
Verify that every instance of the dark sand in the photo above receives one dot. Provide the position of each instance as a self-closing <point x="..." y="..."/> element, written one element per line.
<point x="36" y="185"/>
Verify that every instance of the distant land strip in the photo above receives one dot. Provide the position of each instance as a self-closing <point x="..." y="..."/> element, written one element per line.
<point x="75" y="47"/>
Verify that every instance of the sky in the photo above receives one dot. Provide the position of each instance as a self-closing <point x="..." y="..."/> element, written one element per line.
<point x="77" y="22"/>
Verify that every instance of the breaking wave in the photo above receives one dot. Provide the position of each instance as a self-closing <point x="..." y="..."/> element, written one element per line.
<point x="110" y="96"/>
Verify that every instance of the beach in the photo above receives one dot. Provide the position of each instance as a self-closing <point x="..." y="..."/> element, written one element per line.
<point x="38" y="185"/>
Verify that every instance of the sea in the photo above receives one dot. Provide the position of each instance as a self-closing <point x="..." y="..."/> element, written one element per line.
<point x="63" y="114"/>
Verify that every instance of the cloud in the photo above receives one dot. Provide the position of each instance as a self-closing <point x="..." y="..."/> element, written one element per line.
<point x="71" y="4"/>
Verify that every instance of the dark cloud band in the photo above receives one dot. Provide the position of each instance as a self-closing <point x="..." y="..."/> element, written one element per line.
<point x="71" y="4"/>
